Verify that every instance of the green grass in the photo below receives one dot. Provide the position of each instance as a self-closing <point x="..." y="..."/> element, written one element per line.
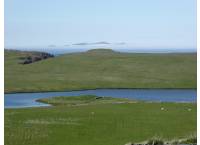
<point x="100" y="69"/>
<point x="98" y="122"/>
<point x="83" y="100"/>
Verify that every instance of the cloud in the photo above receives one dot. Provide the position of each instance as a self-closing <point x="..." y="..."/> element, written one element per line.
<point x="121" y="43"/>
<point x="101" y="42"/>
<point x="51" y="45"/>
<point x="83" y="43"/>
<point x="94" y="43"/>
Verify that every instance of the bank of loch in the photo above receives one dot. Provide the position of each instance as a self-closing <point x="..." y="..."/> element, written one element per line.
<point x="20" y="100"/>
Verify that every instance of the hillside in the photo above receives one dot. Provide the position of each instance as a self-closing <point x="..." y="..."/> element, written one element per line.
<point x="100" y="68"/>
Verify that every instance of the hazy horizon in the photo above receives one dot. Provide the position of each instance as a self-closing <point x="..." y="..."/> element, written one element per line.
<point x="57" y="51"/>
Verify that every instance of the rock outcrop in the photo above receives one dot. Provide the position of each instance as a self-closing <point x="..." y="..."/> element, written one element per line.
<point x="31" y="58"/>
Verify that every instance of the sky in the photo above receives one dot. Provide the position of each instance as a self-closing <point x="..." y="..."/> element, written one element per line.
<point x="97" y="23"/>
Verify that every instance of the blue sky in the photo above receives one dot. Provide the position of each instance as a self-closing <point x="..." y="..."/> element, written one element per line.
<point x="137" y="23"/>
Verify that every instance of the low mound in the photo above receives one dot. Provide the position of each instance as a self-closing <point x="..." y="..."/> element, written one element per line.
<point x="102" y="50"/>
<point x="82" y="100"/>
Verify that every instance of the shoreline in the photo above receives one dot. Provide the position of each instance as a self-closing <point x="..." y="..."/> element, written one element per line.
<point x="50" y="105"/>
<point x="16" y="92"/>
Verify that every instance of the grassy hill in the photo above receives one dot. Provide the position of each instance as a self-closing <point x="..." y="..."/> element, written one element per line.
<point x="99" y="68"/>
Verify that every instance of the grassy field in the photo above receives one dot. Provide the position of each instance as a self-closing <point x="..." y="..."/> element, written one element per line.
<point x="100" y="69"/>
<point x="90" y="120"/>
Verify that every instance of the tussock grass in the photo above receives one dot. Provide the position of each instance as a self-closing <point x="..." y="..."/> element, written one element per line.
<point x="155" y="141"/>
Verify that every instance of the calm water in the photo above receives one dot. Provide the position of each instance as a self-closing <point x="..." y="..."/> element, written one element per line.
<point x="20" y="100"/>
